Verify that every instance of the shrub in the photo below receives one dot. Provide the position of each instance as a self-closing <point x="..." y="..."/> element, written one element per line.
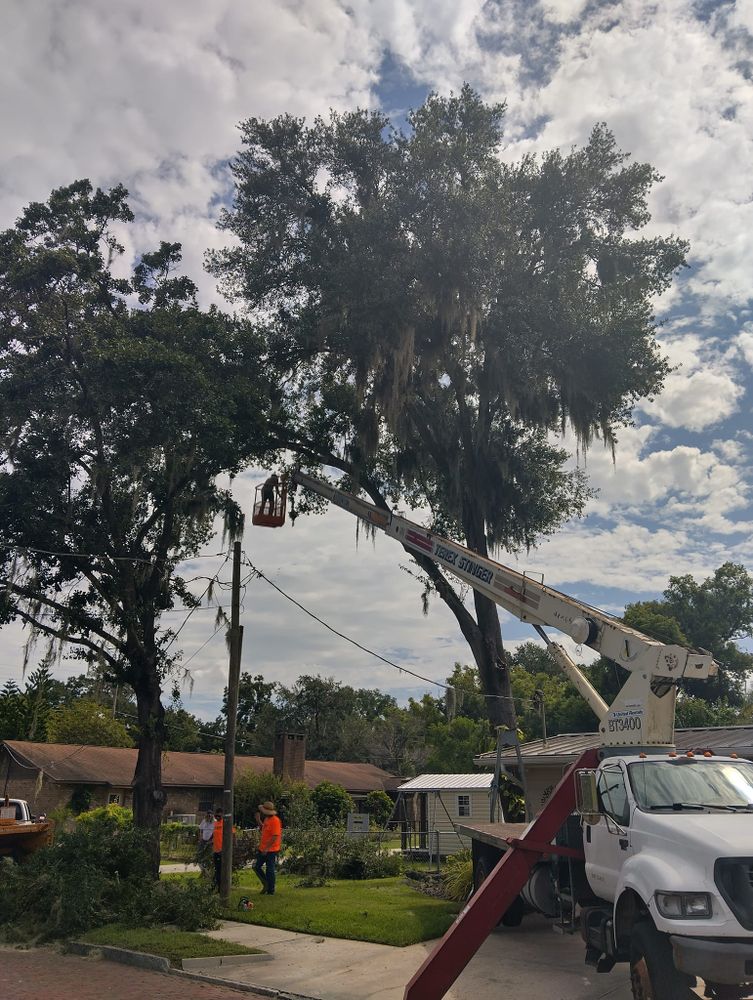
<point x="331" y="853"/>
<point x="81" y="799"/>
<point x="297" y="808"/>
<point x="249" y="790"/>
<point x="106" y="818"/>
<point x="190" y="904"/>
<point x="293" y="799"/>
<point x="244" y="848"/>
<point x="97" y="874"/>
<point x="457" y="876"/>
<point x="332" y="803"/>
<point x="379" y="806"/>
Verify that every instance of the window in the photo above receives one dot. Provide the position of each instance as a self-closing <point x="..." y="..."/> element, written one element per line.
<point x="113" y="799"/>
<point x="206" y="805"/>
<point x="464" y="805"/>
<point x="613" y="794"/>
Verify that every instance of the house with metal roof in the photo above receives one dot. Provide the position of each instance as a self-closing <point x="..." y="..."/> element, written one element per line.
<point x="434" y="804"/>
<point x="545" y="761"/>
<point x="46" y="774"/>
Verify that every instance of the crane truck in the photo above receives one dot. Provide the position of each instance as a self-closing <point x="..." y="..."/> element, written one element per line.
<point x="649" y="850"/>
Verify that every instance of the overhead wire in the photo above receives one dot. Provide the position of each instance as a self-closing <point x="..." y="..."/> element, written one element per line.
<point x="106" y="555"/>
<point x="200" y="599"/>
<point x="354" y="642"/>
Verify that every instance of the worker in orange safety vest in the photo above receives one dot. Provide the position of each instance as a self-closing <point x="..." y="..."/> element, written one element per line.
<point x="269" y="847"/>
<point x="217" y="847"/>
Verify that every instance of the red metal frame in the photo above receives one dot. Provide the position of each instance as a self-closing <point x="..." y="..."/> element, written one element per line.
<point x="485" y="908"/>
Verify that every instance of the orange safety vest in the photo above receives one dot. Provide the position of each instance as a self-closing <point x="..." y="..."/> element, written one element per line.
<point x="217" y="836"/>
<point x="271" y="835"/>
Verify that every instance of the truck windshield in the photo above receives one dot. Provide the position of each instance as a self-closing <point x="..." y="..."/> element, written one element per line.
<point x="692" y="783"/>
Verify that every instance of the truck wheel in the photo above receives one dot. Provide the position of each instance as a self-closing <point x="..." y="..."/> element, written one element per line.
<point x="653" y="975"/>
<point x="513" y="917"/>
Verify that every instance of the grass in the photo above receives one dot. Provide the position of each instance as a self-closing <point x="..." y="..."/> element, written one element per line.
<point x="174" y="945"/>
<point x="385" y="910"/>
<point x="382" y="910"/>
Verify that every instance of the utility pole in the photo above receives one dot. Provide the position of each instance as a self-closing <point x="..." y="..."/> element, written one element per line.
<point x="234" y="673"/>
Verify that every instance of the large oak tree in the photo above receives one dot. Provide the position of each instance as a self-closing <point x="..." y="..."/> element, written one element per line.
<point x="116" y="420"/>
<point x="438" y="313"/>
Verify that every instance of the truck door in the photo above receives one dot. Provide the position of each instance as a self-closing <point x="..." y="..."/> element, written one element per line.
<point x="607" y="843"/>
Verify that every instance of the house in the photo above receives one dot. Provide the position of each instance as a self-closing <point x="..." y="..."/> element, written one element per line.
<point x="434" y="803"/>
<point x="47" y="774"/>
<point x="545" y="761"/>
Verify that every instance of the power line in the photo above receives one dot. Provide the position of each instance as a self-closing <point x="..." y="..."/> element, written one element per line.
<point x="105" y="555"/>
<point x="341" y="635"/>
<point x="354" y="642"/>
<point x="196" y="652"/>
<point x="206" y="591"/>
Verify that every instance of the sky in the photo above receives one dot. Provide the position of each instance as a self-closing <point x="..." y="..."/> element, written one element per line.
<point x="151" y="95"/>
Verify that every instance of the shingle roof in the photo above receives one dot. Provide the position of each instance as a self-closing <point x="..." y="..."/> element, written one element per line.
<point x="114" y="766"/>
<point x="720" y="739"/>
<point x="447" y="782"/>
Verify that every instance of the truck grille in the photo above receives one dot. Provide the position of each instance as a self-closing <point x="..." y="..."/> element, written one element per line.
<point x="734" y="879"/>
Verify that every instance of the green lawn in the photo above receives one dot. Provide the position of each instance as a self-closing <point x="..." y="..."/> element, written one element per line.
<point x="385" y="910"/>
<point x="174" y="945"/>
<point x="382" y="910"/>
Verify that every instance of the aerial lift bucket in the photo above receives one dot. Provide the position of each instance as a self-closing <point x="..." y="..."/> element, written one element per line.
<point x="268" y="514"/>
<point x="498" y="892"/>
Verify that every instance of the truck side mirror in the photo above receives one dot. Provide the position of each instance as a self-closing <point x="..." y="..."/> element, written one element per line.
<point x="587" y="802"/>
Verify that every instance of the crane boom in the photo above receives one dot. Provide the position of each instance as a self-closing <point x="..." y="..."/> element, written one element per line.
<point x="643" y="712"/>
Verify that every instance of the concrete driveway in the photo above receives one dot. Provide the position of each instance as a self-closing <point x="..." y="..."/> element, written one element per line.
<point x="530" y="962"/>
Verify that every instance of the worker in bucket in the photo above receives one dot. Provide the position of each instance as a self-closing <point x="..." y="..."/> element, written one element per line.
<point x="269" y="493"/>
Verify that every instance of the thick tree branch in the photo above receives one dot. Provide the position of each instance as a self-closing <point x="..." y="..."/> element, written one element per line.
<point x="64" y="612"/>
<point x="78" y="640"/>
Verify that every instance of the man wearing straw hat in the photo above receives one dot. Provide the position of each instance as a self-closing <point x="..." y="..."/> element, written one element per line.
<point x="269" y="847"/>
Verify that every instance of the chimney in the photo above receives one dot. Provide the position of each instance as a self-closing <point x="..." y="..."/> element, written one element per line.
<point x="290" y="756"/>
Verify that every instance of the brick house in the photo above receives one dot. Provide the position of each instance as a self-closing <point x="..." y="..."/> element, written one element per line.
<point x="46" y="774"/>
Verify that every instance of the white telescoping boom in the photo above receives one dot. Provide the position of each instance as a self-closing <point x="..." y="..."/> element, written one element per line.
<point x="644" y="710"/>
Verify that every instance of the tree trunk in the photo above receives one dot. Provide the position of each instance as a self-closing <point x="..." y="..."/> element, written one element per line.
<point x="149" y="797"/>
<point x="484" y="636"/>
<point x="489" y="655"/>
<point x="488" y="650"/>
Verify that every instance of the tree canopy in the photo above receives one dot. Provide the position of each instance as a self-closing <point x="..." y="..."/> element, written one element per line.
<point x="435" y="312"/>
<point x="87" y="724"/>
<point x="116" y="422"/>
<point x="712" y="615"/>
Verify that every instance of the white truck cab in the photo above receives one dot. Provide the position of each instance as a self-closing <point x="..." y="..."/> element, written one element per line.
<point x="672" y="847"/>
<point x="15" y="810"/>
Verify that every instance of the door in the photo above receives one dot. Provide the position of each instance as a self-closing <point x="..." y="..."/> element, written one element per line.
<point x="607" y="843"/>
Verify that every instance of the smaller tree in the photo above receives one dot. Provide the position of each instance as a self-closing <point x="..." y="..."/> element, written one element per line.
<point x="12" y="712"/>
<point x="332" y="803"/>
<point x="88" y="724"/>
<point x="454" y="744"/>
<point x="379" y="806"/>
<point x="250" y="790"/>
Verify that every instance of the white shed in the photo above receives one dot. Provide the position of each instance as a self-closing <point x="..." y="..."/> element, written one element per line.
<point x="436" y="803"/>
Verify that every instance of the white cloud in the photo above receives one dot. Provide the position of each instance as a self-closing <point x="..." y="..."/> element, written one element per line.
<point x="701" y="391"/>
<point x="151" y="94"/>
<point x="745" y="344"/>
<point x="696" y="401"/>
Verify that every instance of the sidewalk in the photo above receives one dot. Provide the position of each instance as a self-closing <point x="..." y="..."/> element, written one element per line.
<point x="526" y="963"/>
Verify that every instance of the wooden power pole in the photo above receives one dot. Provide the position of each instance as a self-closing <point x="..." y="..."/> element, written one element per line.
<point x="234" y="673"/>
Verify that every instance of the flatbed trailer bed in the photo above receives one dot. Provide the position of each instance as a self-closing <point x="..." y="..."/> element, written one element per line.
<point x="493" y="834"/>
<point x="19" y="839"/>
